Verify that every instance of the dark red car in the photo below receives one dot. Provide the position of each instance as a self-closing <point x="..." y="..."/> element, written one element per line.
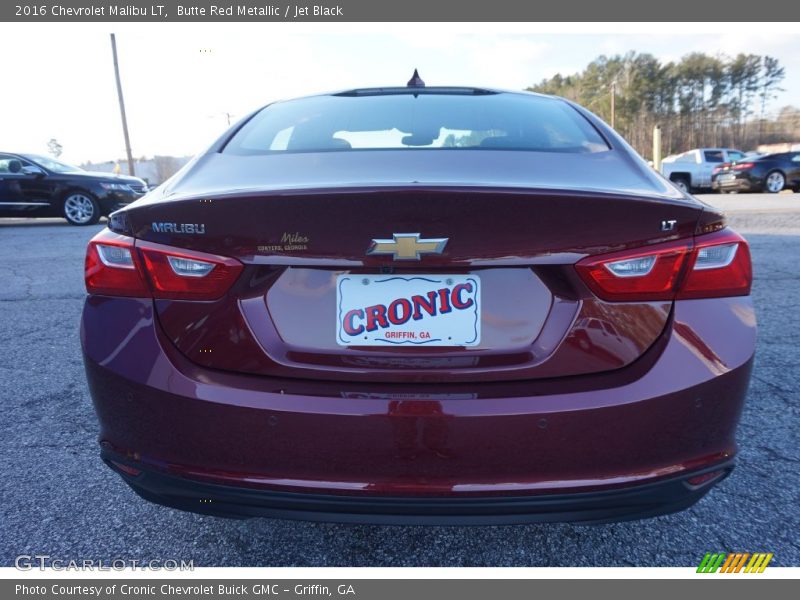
<point x="419" y="305"/>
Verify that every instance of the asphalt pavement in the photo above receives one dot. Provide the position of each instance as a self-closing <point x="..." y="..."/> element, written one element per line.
<point x="57" y="498"/>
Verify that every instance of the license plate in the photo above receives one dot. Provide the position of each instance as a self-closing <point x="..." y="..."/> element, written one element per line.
<point x="726" y="177"/>
<point x="408" y="310"/>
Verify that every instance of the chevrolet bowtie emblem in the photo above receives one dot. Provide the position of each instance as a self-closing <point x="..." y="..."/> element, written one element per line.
<point x="407" y="246"/>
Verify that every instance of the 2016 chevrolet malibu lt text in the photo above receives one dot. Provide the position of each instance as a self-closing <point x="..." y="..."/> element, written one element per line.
<point x="419" y="305"/>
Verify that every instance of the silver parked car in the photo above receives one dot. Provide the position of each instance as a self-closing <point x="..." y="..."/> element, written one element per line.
<point x="692" y="170"/>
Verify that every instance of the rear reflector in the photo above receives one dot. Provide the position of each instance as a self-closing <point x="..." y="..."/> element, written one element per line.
<point x="117" y="265"/>
<point x="699" y="480"/>
<point x="715" y="265"/>
<point x="126" y="469"/>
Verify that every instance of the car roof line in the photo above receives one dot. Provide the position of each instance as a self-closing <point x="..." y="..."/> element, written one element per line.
<point x="396" y="90"/>
<point x="383" y="90"/>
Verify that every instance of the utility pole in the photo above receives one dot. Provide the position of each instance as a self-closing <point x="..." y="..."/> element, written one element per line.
<point x="613" y="99"/>
<point x="122" y="107"/>
<point x="657" y="148"/>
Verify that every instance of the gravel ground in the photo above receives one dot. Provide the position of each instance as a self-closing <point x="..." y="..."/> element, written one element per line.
<point x="57" y="498"/>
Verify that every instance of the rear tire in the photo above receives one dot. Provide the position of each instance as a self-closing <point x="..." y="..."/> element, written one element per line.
<point x="80" y="208"/>
<point x="683" y="184"/>
<point x="774" y="182"/>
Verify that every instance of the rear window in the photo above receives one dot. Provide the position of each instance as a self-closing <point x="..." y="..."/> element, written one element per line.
<point x="735" y="155"/>
<point x="420" y="120"/>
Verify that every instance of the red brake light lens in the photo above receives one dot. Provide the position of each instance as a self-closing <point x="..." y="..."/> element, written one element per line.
<point x="111" y="268"/>
<point x="720" y="266"/>
<point x="640" y="274"/>
<point x="717" y="265"/>
<point x="743" y="166"/>
<point x="118" y="265"/>
<point x="187" y="275"/>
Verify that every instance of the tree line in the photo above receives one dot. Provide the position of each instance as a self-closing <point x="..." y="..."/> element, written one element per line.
<point x="698" y="101"/>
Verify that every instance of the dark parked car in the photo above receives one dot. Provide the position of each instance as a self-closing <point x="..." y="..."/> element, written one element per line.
<point x="379" y="305"/>
<point x="38" y="186"/>
<point x="770" y="173"/>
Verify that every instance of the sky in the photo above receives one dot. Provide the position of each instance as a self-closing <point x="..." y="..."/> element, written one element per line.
<point x="181" y="80"/>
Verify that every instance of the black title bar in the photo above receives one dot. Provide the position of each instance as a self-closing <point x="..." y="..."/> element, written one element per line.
<point x="397" y="11"/>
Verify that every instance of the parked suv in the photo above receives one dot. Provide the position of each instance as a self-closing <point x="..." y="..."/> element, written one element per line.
<point x="692" y="170"/>
<point x="38" y="186"/>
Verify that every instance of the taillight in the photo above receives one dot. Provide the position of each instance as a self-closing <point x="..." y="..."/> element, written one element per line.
<point x="187" y="275"/>
<point x="717" y="264"/>
<point x="641" y="274"/>
<point x="720" y="266"/>
<point x="118" y="265"/>
<point x="111" y="268"/>
<point x="743" y="166"/>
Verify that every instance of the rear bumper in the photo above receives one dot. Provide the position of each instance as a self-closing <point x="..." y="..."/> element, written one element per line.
<point x="111" y="201"/>
<point x="606" y="447"/>
<point x="638" y="502"/>
<point x="739" y="184"/>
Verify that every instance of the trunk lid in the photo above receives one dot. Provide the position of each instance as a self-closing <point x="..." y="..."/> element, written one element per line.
<point x="537" y="319"/>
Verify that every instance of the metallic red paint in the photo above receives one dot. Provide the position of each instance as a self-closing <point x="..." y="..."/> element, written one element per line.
<point x="606" y="407"/>
<point x="675" y="415"/>
<point x="525" y="247"/>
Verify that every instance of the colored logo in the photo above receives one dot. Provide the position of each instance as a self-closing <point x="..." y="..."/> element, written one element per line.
<point x="407" y="246"/>
<point x="734" y="562"/>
